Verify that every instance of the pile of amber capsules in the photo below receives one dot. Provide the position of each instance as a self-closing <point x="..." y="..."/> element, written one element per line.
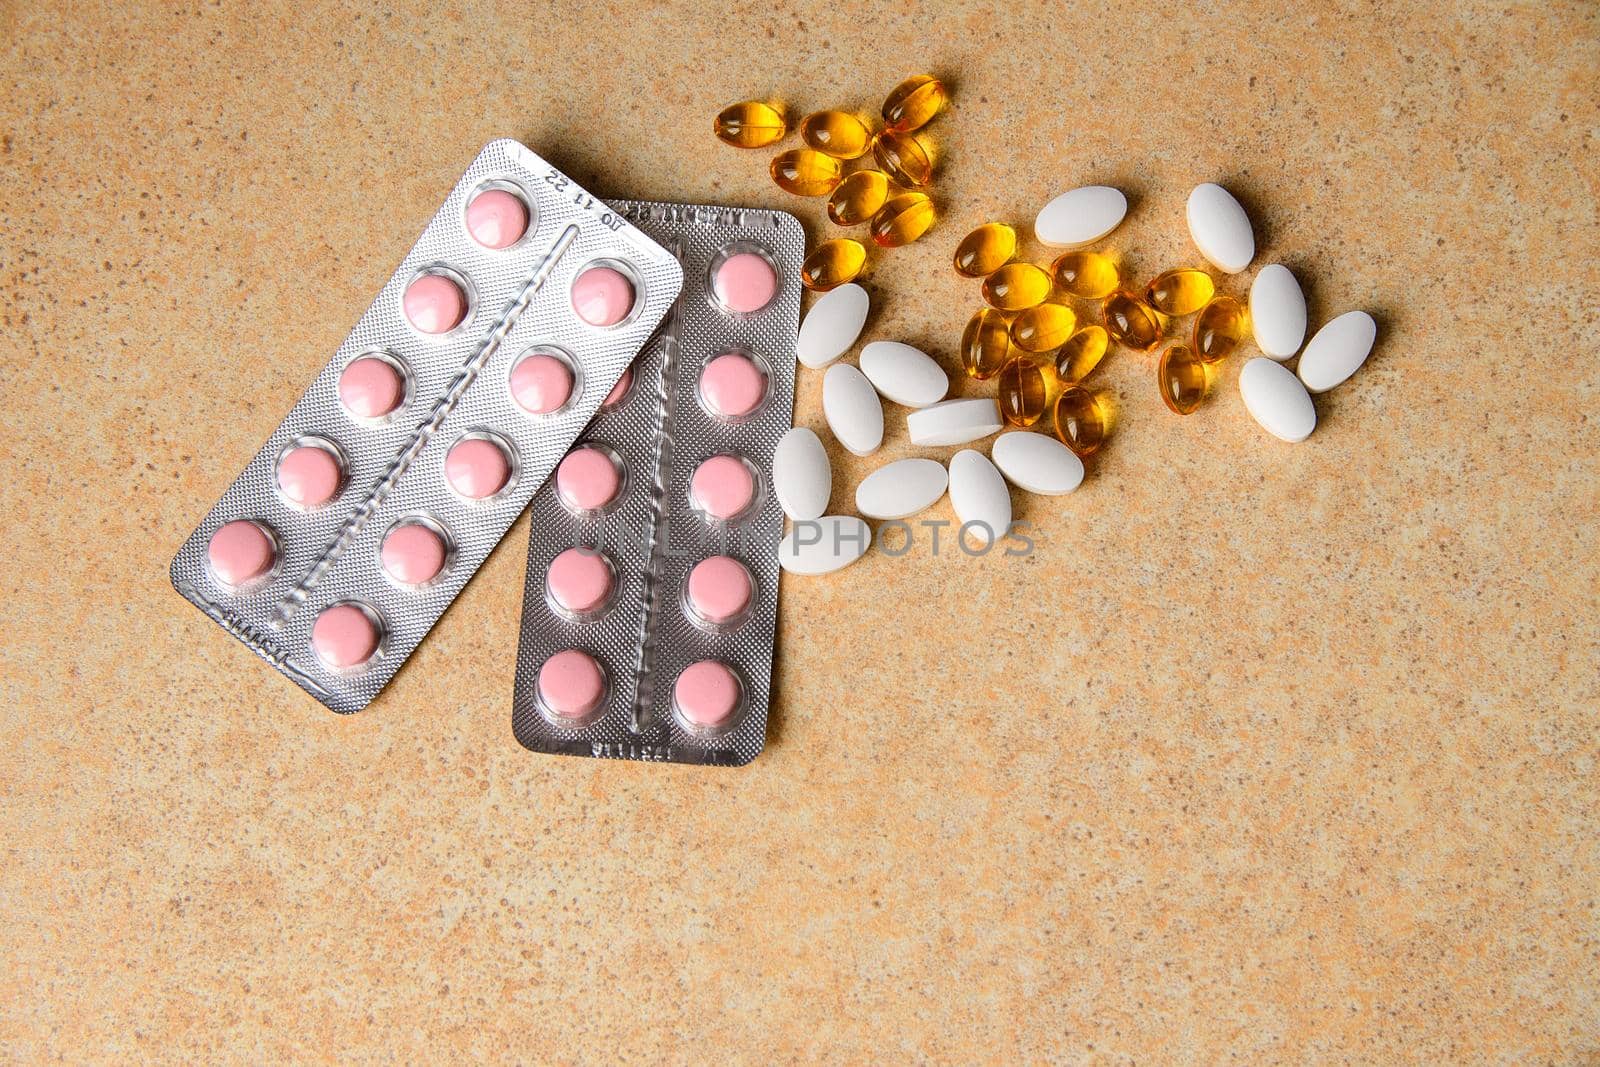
<point x="889" y="198"/>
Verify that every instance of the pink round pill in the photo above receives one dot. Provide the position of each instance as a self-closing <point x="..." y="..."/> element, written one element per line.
<point x="370" y="388"/>
<point x="732" y="385"/>
<point x="619" y="392"/>
<point x="435" y="304"/>
<point x="497" y="218"/>
<point x="412" y="553"/>
<point x="571" y="684"/>
<point x="602" y="296"/>
<point x="477" y="468"/>
<point x="720" y="589"/>
<point x="240" y="552"/>
<point x="744" y="283"/>
<point x="723" y="487"/>
<point x="344" y="636"/>
<point x="309" y="476"/>
<point x="707" y="694"/>
<point x="580" y="581"/>
<point x="588" y="479"/>
<point x="541" y="383"/>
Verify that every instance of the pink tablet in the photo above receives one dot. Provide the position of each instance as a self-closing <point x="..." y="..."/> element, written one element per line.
<point x="588" y="479"/>
<point x="707" y="696"/>
<point x="722" y="487"/>
<point x="413" y="554"/>
<point x="241" y="552"/>
<point x="719" y="591"/>
<point x="571" y="686"/>
<point x="580" y="582"/>
<point x="435" y="304"/>
<point x="344" y="636"/>
<point x="744" y="283"/>
<point x="619" y="392"/>
<point x="370" y="388"/>
<point x="732" y="386"/>
<point x="477" y="468"/>
<point x="309" y="476"/>
<point x="497" y="218"/>
<point x="602" y="296"/>
<point x="541" y="383"/>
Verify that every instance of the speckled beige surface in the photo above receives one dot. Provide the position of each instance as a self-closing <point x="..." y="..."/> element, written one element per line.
<point x="1267" y="753"/>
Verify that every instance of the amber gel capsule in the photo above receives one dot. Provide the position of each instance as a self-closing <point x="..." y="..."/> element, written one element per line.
<point x="1086" y="274"/>
<point x="1016" y="286"/>
<point x="836" y="133"/>
<point x="858" y="197"/>
<point x="985" y="250"/>
<point x="902" y="220"/>
<point x="1043" y="328"/>
<point x="804" y="172"/>
<point x="1081" y="422"/>
<point x="1130" y="321"/>
<point x="1182" y="379"/>
<point x="1081" y="354"/>
<point x="1179" y="292"/>
<point x="914" y="102"/>
<point x="832" y="263"/>
<point x="751" y="124"/>
<point x="1023" y="387"/>
<point x="1218" y="329"/>
<point x="902" y="157"/>
<point x="985" y="344"/>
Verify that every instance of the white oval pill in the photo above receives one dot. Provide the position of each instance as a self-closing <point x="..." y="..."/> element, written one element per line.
<point x="1081" y="216"/>
<point x="832" y="325"/>
<point x="980" y="496"/>
<point x="802" y="477"/>
<point x="1037" y="463"/>
<point x="852" y="408"/>
<point x="901" y="488"/>
<point x="1220" y="228"/>
<point x="1277" y="312"/>
<point x="954" y="422"/>
<point x="904" y="375"/>
<point x="1276" y="399"/>
<point x="1337" y="351"/>
<point x="817" y="546"/>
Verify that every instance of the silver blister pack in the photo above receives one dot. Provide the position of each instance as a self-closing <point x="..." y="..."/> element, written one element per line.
<point x="648" y="615"/>
<point x="408" y="458"/>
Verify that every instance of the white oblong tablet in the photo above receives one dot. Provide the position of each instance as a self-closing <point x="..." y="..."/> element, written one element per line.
<point x="954" y="422"/>
<point x="1037" y="463"/>
<point x="817" y="546"/>
<point x="1337" y="351"/>
<point x="852" y="408"/>
<point x="904" y="375"/>
<point x="1276" y="399"/>
<point x="901" y="489"/>
<point x="1220" y="228"/>
<point x="832" y="325"/>
<point x="979" y="495"/>
<point x="1081" y="216"/>
<point x="802" y="477"/>
<point x="1277" y="312"/>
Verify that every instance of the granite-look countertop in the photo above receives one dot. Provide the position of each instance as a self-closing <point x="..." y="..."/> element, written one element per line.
<point x="1265" y="753"/>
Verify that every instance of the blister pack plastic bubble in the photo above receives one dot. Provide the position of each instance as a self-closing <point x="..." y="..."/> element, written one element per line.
<point x="390" y="481"/>
<point x="651" y="601"/>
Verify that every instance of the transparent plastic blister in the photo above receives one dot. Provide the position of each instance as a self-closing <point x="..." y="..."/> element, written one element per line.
<point x="434" y="456"/>
<point x="676" y="661"/>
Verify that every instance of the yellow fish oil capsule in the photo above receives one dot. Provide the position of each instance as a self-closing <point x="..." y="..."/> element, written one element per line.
<point x="805" y="172"/>
<point x="1016" y="286"/>
<point x="1087" y="274"/>
<point x="832" y="263"/>
<point x="1082" y="353"/>
<point x="1043" y="328"/>
<point x="751" y="124"/>
<point x="1218" y="329"/>
<point x="985" y="250"/>
<point x="1023" y="387"/>
<point x="1081" y="421"/>
<point x="1179" y="292"/>
<point x="902" y="220"/>
<point x="902" y="157"/>
<point x="1182" y="379"/>
<point x="985" y="344"/>
<point x="858" y="197"/>
<point x="1130" y="321"/>
<point x="914" y="102"/>
<point x="836" y="133"/>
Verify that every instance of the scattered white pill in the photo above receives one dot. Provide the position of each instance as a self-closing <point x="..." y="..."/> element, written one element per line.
<point x="802" y="477"/>
<point x="852" y="408"/>
<point x="954" y="422"/>
<point x="832" y="325"/>
<point x="1037" y="463"/>
<point x="818" y="546"/>
<point x="1277" y="312"/>
<point x="1081" y="216"/>
<point x="901" y="489"/>
<point x="980" y="496"/>
<point x="1337" y="351"/>
<point x="903" y="374"/>
<point x="1276" y="399"/>
<point x="1220" y="228"/>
